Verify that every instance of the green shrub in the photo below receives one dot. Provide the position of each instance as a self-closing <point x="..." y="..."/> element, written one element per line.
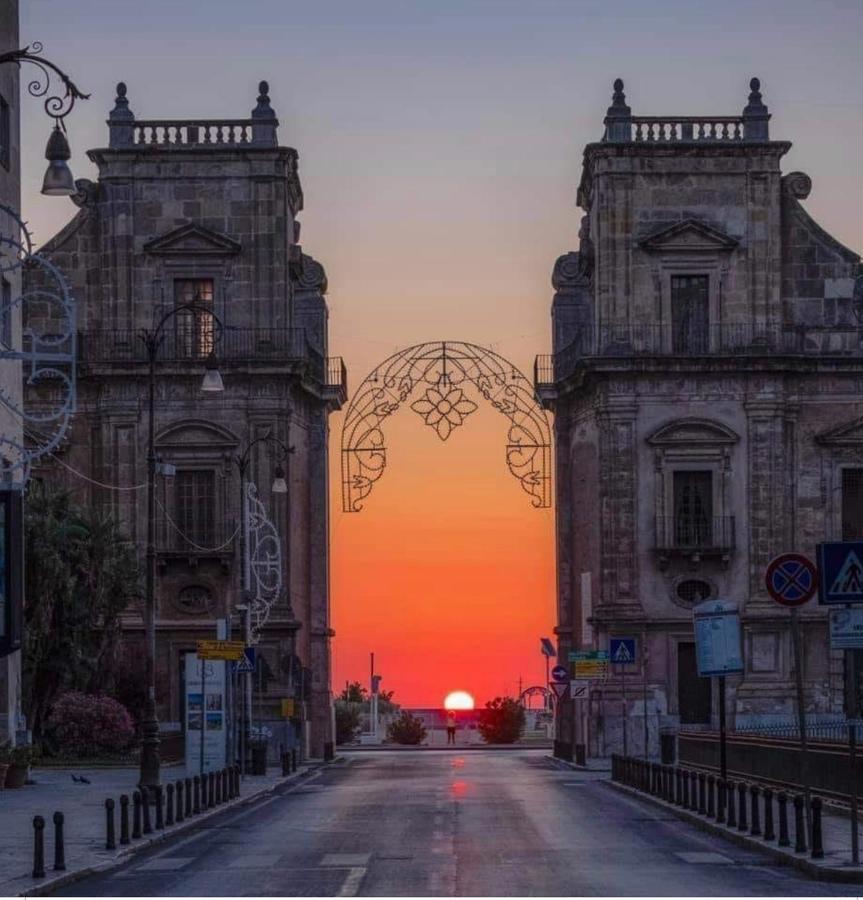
<point x="502" y="721"/>
<point x="406" y="729"/>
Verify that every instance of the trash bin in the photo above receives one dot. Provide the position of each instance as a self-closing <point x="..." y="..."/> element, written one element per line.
<point x="259" y="758"/>
<point x="667" y="746"/>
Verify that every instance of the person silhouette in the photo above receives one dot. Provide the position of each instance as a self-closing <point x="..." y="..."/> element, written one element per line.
<point x="451" y="725"/>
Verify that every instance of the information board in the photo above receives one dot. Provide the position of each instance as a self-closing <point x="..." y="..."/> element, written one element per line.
<point x="587" y="664"/>
<point x="846" y="628"/>
<point x="717" y="638"/>
<point x="205" y="714"/>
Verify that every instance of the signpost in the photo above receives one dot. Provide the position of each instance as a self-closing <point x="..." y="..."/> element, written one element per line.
<point x="205" y="714"/>
<point x="622" y="652"/>
<point x="559" y="688"/>
<point x="841" y="566"/>
<point x="230" y="650"/>
<point x="560" y="673"/>
<point x="589" y="664"/>
<point x="579" y="689"/>
<point x="846" y="628"/>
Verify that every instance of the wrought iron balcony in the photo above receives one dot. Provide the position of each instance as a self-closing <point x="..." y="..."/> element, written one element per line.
<point x="675" y="340"/>
<point x="214" y="539"/>
<point x="694" y="536"/>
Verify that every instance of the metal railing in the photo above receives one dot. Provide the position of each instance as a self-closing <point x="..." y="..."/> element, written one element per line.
<point x="215" y="538"/>
<point x="695" y="533"/>
<point x="337" y="373"/>
<point x="825" y="731"/>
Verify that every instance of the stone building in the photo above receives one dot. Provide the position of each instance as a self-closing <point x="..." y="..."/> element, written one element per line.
<point x="706" y="383"/>
<point x="204" y="212"/>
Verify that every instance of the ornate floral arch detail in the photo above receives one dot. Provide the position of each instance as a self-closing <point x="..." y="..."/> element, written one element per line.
<point x="442" y="382"/>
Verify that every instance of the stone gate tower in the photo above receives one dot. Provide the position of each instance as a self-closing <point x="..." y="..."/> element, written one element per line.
<point x="205" y="211"/>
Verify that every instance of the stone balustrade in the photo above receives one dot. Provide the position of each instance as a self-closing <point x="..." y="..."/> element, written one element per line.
<point x="687" y="129"/>
<point x="191" y="133"/>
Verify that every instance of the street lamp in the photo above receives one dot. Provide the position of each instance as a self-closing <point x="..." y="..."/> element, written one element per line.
<point x="212" y="381"/>
<point x="58" y="181"/>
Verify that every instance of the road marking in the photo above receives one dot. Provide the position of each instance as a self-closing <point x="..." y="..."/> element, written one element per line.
<point x="696" y="856"/>
<point x="346" y="860"/>
<point x="165" y="864"/>
<point x="351" y="885"/>
<point x="254" y="861"/>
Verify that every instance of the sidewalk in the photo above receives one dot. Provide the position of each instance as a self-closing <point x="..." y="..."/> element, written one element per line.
<point x="83" y="808"/>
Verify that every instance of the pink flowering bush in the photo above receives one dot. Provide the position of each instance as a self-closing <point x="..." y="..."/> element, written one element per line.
<point x="85" y="725"/>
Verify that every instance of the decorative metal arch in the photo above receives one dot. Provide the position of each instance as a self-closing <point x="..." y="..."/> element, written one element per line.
<point x="263" y="561"/>
<point x="534" y="691"/>
<point x="438" y="380"/>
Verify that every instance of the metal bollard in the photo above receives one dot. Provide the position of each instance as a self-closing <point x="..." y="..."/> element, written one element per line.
<point x="799" y="825"/>
<point x="782" y="800"/>
<point x="211" y="790"/>
<point x="721" y="787"/>
<point x="711" y="796"/>
<point x="160" y="807"/>
<point x="145" y="810"/>
<point x="196" y="808"/>
<point x="237" y="778"/>
<point x="732" y="805"/>
<point x="136" y="821"/>
<point x="817" y="842"/>
<point x="229" y="783"/>
<point x="702" y="793"/>
<point x="169" y="804"/>
<point x="755" y="820"/>
<point x="286" y="763"/>
<point x="124" y="819"/>
<point x="38" y="847"/>
<point x="110" y="839"/>
<point x="59" y="845"/>
<point x="180" y="801"/>
<point x="187" y="789"/>
<point x="217" y="790"/>
<point x="685" y="803"/>
<point x="769" y="833"/>
<point x="294" y="759"/>
<point x="741" y="807"/>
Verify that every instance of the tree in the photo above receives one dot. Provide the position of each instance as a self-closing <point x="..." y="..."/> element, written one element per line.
<point x="406" y="729"/>
<point x="502" y="721"/>
<point x="354" y="693"/>
<point x="347" y="721"/>
<point x="81" y="574"/>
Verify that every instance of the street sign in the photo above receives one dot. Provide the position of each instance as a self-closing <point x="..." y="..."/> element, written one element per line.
<point x="247" y="661"/>
<point x="560" y="673"/>
<point x="846" y="628"/>
<point x="547" y="648"/>
<point x="717" y="638"/>
<point x="841" y="567"/>
<point x="559" y="688"/>
<point x="287" y="707"/>
<point x="579" y="689"/>
<point x="220" y="650"/>
<point x="791" y="579"/>
<point x="589" y="664"/>
<point x="622" y="650"/>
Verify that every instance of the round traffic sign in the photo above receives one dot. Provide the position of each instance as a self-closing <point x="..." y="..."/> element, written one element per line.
<point x="560" y="673"/>
<point x="791" y="579"/>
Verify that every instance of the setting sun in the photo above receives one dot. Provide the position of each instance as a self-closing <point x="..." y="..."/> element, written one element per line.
<point x="458" y="700"/>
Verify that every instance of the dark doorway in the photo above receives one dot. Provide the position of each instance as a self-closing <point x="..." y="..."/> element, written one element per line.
<point x="693" y="692"/>
<point x="689" y="314"/>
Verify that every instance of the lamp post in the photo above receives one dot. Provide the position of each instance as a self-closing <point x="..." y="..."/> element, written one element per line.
<point x="283" y="452"/>
<point x="212" y="383"/>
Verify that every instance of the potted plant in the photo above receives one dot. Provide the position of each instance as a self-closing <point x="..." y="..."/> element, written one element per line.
<point x="5" y="761"/>
<point x="21" y="758"/>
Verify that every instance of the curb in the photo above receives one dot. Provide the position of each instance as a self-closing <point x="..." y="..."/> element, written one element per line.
<point x="392" y="748"/>
<point x="124" y="856"/>
<point x="819" y="873"/>
<point x="566" y="764"/>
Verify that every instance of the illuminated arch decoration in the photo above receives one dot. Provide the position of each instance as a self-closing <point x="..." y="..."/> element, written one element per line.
<point x="441" y="383"/>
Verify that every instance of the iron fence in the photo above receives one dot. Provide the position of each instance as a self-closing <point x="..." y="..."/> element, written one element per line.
<point x="695" y="533"/>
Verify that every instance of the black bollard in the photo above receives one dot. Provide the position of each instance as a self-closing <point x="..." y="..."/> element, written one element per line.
<point x="187" y="790"/>
<point x="136" y="814"/>
<point x="110" y="839"/>
<point x="196" y="807"/>
<point x="211" y="790"/>
<point x="799" y="826"/>
<point x="782" y="799"/>
<point x="180" y="805"/>
<point x="711" y="796"/>
<point x="229" y="784"/>
<point x="124" y="819"/>
<point x="294" y="759"/>
<point x="817" y="842"/>
<point x="741" y="807"/>
<point x="145" y="810"/>
<point x="38" y="847"/>
<point x="702" y="793"/>
<point x="169" y="804"/>
<point x="769" y="833"/>
<point x="685" y="801"/>
<point x="59" y="845"/>
<point x="732" y="805"/>
<point x="721" y="787"/>
<point x="286" y="763"/>
<point x="160" y="807"/>
<point x="755" y="820"/>
<point x="237" y="778"/>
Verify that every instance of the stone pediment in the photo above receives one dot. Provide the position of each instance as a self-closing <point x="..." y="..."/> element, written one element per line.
<point x="194" y="433"/>
<point x="689" y="236"/>
<point x="848" y="435"/>
<point x="692" y="432"/>
<point x="192" y="240"/>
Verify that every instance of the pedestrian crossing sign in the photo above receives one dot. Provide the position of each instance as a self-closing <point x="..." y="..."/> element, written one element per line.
<point x="840" y="565"/>
<point x="621" y="650"/>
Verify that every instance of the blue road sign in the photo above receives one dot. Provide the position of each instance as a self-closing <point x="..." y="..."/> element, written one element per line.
<point x="247" y="663"/>
<point x="840" y="565"/>
<point x="621" y="650"/>
<point x="560" y="673"/>
<point x="791" y="579"/>
<point x="546" y="647"/>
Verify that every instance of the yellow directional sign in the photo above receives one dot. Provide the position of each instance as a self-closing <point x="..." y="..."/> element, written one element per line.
<point x="221" y="650"/>
<point x="287" y="707"/>
<point x="587" y="664"/>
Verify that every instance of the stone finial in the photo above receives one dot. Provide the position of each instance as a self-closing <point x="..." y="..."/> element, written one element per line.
<point x="264" y="122"/>
<point x="755" y="115"/>
<point x="618" y="118"/>
<point x="120" y="120"/>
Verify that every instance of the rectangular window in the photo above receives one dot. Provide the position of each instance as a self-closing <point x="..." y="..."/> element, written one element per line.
<point x="693" y="509"/>
<point x="5" y="133"/>
<point x="194" y="330"/>
<point x="690" y="315"/>
<point x="852" y="504"/>
<point x="196" y="507"/>
<point x="5" y="314"/>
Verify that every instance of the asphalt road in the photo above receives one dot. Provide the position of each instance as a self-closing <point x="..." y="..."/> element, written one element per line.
<point x="441" y="823"/>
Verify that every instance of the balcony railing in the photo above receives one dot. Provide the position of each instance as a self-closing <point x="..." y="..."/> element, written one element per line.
<point x="191" y="132"/>
<point x="745" y="339"/>
<point x="690" y="534"/>
<point x="687" y="129"/>
<point x="215" y="538"/>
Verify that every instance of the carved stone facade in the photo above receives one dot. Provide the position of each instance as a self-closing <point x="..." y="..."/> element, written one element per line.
<point x="706" y="383"/>
<point x="205" y="212"/>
